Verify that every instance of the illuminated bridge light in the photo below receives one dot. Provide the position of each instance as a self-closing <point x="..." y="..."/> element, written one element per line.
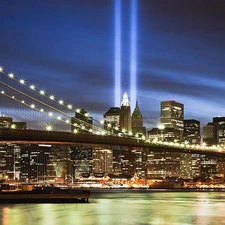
<point x="59" y="117"/>
<point x="67" y="121"/>
<point x="23" y="101"/>
<point x="49" y="128"/>
<point x="41" y="110"/>
<point x="32" y="87"/>
<point x="42" y="92"/>
<point x="117" y="46"/>
<point x="2" y="92"/>
<point x="11" y="75"/>
<point x="69" y="106"/>
<point x="22" y="81"/>
<point x="32" y="106"/>
<point x="78" y="110"/>
<point x="1" y="69"/>
<point x="133" y="53"/>
<point x="52" y="97"/>
<point x="61" y="102"/>
<point x="50" y="114"/>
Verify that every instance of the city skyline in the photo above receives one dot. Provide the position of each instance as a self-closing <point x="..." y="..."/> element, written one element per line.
<point x="180" y="51"/>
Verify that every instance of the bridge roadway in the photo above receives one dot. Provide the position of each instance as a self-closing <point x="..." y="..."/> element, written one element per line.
<point x="13" y="136"/>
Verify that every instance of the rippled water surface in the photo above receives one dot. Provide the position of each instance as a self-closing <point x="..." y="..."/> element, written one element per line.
<point x="123" y="207"/>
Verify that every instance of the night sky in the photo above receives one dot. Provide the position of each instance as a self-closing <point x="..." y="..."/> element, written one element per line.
<point x="67" y="48"/>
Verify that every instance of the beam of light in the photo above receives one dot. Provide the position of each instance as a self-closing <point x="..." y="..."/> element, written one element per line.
<point x="133" y="53"/>
<point x="117" y="47"/>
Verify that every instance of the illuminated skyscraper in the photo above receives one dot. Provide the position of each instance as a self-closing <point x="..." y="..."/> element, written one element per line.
<point x="192" y="131"/>
<point x="112" y="119"/>
<point x="172" y="115"/>
<point x="81" y="123"/>
<point x="125" y="116"/>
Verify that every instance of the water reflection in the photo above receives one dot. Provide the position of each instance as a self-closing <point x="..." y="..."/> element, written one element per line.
<point x="124" y="208"/>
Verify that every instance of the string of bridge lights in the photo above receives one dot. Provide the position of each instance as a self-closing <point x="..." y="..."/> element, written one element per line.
<point x="51" y="97"/>
<point x="50" y="114"/>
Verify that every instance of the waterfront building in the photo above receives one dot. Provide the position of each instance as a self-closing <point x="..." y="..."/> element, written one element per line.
<point x="10" y="162"/>
<point x="208" y="165"/>
<point x="102" y="160"/>
<point x="191" y="132"/>
<point x="117" y="168"/>
<point x="190" y="165"/>
<point x="82" y="122"/>
<point x="125" y="115"/>
<point x="34" y="159"/>
<point x="172" y="115"/>
<point x="221" y="167"/>
<point x="112" y="120"/>
<point x="163" y="164"/>
<point x="137" y="122"/>
<point x="81" y="158"/>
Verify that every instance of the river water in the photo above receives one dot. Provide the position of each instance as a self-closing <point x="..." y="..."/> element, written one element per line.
<point x="132" y="207"/>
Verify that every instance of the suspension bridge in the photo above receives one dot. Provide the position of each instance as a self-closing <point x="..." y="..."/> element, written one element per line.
<point x="48" y="120"/>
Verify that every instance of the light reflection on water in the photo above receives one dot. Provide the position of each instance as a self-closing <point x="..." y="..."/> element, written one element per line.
<point x="124" y="207"/>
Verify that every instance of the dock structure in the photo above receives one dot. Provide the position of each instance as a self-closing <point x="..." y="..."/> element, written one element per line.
<point x="45" y="195"/>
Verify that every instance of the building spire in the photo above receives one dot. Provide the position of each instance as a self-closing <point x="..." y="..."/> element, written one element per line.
<point x="125" y="101"/>
<point x="136" y="110"/>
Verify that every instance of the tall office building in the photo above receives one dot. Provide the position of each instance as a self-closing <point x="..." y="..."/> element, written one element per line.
<point x="81" y="123"/>
<point x="192" y="131"/>
<point x="112" y="119"/>
<point x="137" y="122"/>
<point x="220" y="126"/>
<point x="125" y="116"/>
<point x="172" y="115"/>
<point x="102" y="160"/>
<point x="210" y="134"/>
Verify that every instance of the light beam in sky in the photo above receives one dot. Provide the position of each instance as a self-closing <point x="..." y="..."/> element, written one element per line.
<point x="117" y="47"/>
<point x="133" y="53"/>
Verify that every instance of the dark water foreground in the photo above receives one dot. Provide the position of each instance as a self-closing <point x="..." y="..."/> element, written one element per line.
<point x="108" y="207"/>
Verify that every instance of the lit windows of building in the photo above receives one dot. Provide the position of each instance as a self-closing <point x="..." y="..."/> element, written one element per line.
<point x="191" y="133"/>
<point x="112" y="119"/>
<point x="81" y="123"/>
<point x="172" y="115"/>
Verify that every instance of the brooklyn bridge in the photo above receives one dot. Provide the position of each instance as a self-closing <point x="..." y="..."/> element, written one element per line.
<point x="32" y="117"/>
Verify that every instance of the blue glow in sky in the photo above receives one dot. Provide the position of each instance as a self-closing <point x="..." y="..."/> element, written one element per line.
<point x="117" y="46"/>
<point x="68" y="49"/>
<point x="133" y="54"/>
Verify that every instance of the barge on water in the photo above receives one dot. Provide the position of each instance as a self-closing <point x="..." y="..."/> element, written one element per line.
<point x="45" y="195"/>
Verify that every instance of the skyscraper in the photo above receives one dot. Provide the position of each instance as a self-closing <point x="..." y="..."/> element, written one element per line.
<point x="125" y="116"/>
<point x="172" y="115"/>
<point x="81" y="123"/>
<point x="112" y="119"/>
<point x="192" y="131"/>
<point x="137" y="122"/>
